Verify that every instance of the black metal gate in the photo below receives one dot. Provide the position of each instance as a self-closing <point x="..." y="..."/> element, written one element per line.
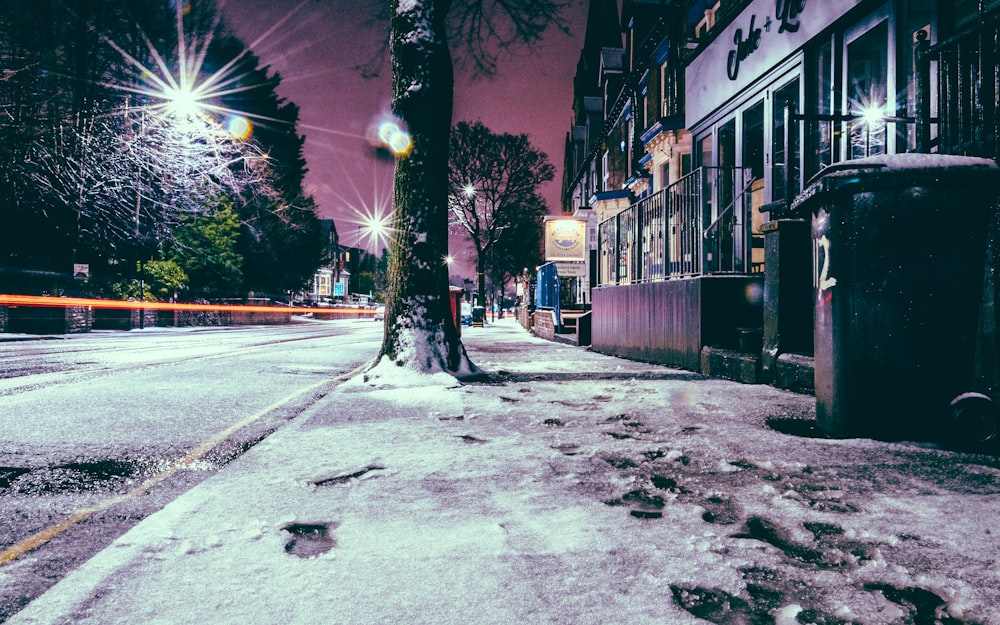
<point x="966" y="71"/>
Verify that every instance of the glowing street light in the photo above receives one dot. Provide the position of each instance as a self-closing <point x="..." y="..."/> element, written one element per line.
<point x="373" y="228"/>
<point x="376" y="226"/>
<point x="182" y="103"/>
<point x="871" y="114"/>
<point x="184" y="93"/>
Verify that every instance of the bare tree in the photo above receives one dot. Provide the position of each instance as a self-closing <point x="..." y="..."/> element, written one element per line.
<point x="493" y="184"/>
<point x="126" y="177"/>
<point x="111" y="129"/>
<point x="520" y="249"/>
<point x="418" y="332"/>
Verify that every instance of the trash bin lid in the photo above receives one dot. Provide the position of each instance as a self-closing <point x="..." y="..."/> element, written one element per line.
<point x="898" y="171"/>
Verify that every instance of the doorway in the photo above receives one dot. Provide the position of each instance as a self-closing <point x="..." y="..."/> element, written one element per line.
<point x="869" y="87"/>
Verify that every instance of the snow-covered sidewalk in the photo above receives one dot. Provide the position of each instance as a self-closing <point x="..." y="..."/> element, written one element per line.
<point x="573" y="489"/>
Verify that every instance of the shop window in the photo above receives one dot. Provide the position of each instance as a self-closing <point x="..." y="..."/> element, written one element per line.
<point x="753" y="140"/>
<point x="821" y="133"/>
<point x="753" y="160"/>
<point x="727" y="144"/>
<point x="323" y="287"/>
<point x="784" y="164"/>
<point x="727" y="162"/>
<point x="705" y="157"/>
<point x="867" y="90"/>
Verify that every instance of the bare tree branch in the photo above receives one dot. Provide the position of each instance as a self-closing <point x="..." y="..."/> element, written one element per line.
<point x="493" y="182"/>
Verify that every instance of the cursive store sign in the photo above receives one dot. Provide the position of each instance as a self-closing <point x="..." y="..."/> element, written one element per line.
<point x="786" y="13"/>
<point x="763" y="35"/>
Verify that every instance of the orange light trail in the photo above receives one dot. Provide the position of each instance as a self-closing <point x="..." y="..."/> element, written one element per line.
<point x="79" y="302"/>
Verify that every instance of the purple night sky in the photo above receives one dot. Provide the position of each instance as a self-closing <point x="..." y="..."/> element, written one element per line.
<point x="313" y="45"/>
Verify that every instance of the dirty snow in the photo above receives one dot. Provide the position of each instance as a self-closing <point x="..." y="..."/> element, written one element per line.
<point x="572" y="489"/>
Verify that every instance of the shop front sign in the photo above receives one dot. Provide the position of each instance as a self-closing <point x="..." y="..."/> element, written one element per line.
<point x="787" y="14"/>
<point x="762" y="36"/>
<point x="565" y="239"/>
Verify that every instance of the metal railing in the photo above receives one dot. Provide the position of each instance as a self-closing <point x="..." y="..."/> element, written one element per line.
<point x="663" y="236"/>
<point x="685" y="204"/>
<point x="967" y="71"/>
<point x="729" y="239"/>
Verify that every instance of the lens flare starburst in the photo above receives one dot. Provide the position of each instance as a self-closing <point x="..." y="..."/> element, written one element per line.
<point x="374" y="230"/>
<point x="371" y="216"/>
<point x="174" y="83"/>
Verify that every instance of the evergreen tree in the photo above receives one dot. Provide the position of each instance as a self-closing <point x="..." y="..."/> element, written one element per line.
<point x="204" y="246"/>
<point x="281" y="239"/>
<point x="281" y="243"/>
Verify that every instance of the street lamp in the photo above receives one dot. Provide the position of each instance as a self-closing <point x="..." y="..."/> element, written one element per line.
<point x="470" y="191"/>
<point x="375" y="228"/>
<point x="181" y="102"/>
<point x="868" y="115"/>
<point x="138" y="211"/>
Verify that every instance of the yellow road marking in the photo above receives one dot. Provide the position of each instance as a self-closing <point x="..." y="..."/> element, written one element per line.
<point x="44" y="536"/>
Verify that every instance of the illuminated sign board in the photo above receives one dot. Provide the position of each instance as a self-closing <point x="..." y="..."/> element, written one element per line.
<point x="565" y="239"/>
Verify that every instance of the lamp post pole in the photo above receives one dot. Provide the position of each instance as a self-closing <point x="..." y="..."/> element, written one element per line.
<point x="493" y="308"/>
<point x="138" y="210"/>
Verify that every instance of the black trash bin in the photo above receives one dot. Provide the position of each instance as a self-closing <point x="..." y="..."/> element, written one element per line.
<point x="899" y="249"/>
<point x="478" y="316"/>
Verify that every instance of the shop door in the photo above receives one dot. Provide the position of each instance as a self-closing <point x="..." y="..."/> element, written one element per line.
<point x="785" y="168"/>
<point x="726" y="216"/>
<point x="753" y="140"/>
<point x="753" y="162"/>
<point x="869" y="88"/>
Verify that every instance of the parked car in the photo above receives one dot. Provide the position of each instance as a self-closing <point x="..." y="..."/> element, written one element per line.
<point x="466" y="314"/>
<point x="379" y="313"/>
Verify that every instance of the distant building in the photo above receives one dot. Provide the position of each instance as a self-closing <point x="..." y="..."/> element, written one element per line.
<point x="330" y="281"/>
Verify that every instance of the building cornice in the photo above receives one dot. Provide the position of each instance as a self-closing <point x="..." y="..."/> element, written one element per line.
<point x="627" y="92"/>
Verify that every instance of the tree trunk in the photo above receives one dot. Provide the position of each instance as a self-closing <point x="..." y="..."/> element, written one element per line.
<point x="419" y="333"/>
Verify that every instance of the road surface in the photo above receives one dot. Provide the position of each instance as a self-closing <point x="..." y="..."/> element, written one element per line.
<point x="97" y="431"/>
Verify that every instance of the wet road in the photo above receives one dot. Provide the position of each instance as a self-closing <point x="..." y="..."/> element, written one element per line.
<point x="98" y="431"/>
